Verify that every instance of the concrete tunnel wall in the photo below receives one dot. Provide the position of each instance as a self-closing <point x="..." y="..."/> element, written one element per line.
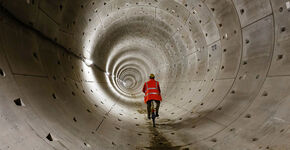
<point x="223" y="67"/>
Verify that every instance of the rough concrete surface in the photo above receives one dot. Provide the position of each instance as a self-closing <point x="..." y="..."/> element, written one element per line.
<point x="222" y="65"/>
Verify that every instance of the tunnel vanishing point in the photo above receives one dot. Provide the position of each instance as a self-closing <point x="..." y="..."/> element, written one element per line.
<point x="72" y="72"/>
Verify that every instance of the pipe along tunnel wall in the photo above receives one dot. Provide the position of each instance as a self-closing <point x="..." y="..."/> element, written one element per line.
<point x="223" y="67"/>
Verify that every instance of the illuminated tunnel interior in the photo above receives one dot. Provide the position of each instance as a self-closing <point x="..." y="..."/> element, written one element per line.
<point x="72" y="73"/>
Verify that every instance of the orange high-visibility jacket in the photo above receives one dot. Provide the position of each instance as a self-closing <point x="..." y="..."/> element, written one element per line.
<point x="152" y="91"/>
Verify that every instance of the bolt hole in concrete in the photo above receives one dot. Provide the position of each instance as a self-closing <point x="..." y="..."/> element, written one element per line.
<point x="74" y="119"/>
<point x="2" y="73"/>
<point x="265" y="93"/>
<point x="53" y="96"/>
<point x="49" y="137"/>
<point x="225" y="36"/>
<point x="87" y="145"/>
<point x="279" y="57"/>
<point x="35" y="55"/>
<point x="241" y="77"/>
<point x="214" y="140"/>
<point x="283" y="29"/>
<point x="242" y="11"/>
<point x="248" y="116"/>
<point x="19" y="102"/>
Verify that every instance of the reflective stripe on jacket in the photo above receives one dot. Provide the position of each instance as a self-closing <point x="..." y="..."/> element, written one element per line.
<point x="152" y="90"/>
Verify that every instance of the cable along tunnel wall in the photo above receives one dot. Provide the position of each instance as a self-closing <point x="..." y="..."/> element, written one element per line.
<point x="222" y="65"/>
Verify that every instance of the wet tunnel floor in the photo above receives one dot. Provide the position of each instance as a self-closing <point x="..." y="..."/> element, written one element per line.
<point x="158" y="141"/>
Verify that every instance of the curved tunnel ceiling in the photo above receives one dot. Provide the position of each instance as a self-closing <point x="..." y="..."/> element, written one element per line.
<point x="222" y="65"/>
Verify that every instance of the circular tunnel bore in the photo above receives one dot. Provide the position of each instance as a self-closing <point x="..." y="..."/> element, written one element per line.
<point x="72" y="73"/>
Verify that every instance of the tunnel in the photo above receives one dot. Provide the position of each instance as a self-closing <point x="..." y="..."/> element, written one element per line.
<point x="72" y="73"/>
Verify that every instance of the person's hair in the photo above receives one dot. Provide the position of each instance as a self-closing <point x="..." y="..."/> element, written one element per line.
<point x="152" y="76"/>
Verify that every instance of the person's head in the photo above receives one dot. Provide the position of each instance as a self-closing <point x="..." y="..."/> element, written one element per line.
<point x="152" y="76"/>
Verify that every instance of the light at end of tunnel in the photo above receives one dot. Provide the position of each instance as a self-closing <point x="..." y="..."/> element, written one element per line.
<point x="88" y="62"/>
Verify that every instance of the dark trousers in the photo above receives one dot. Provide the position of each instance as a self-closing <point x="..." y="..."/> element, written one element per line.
<point x="149" y="106"/>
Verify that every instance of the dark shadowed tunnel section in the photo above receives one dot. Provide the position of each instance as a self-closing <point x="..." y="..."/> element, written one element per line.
<point x="72" y="73"/>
